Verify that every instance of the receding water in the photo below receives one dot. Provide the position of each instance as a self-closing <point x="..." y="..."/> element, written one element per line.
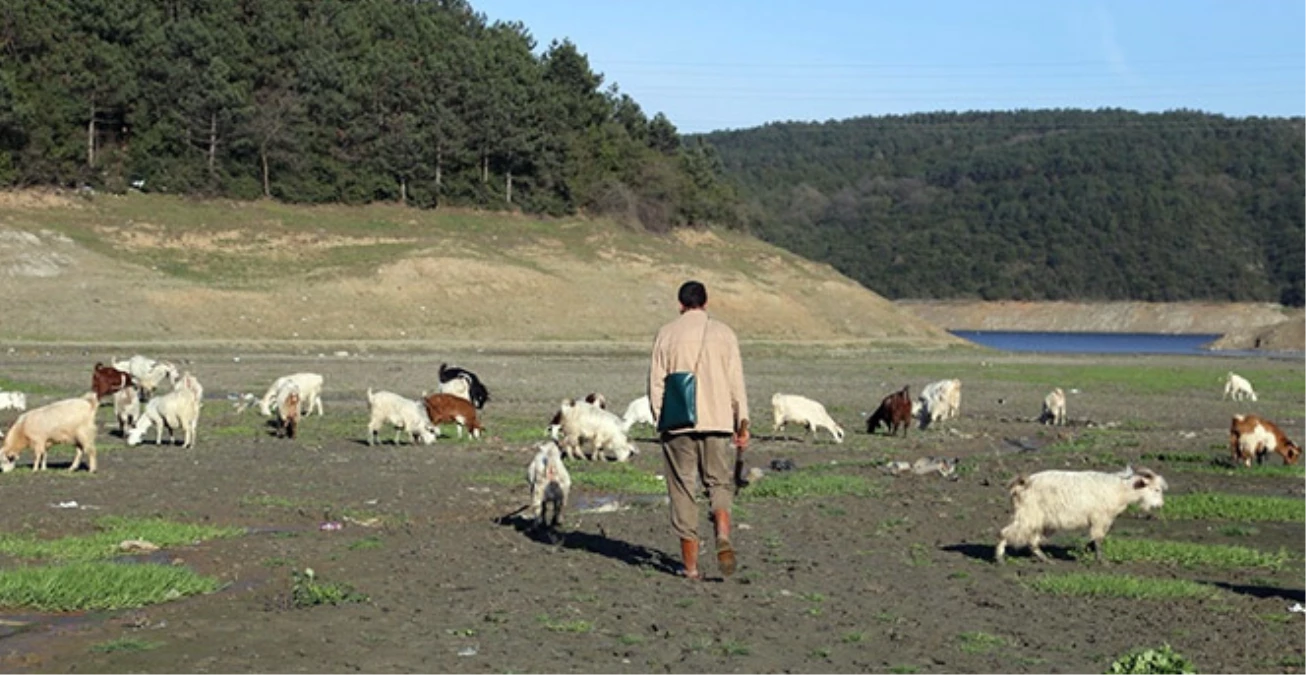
<point x="1098" y="343"/>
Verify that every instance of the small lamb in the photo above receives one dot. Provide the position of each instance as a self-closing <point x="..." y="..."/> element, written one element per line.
<point x="549" y="482"/>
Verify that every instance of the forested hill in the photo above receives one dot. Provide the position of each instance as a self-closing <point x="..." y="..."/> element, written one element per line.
<point x="353" y="101"/>
<point x="1052" y="204"/>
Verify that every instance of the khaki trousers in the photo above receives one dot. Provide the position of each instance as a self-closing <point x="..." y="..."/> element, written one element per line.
<point x="691" y="456"/>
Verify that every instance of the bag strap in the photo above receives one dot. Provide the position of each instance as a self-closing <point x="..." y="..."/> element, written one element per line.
<point x="702" y="345"/>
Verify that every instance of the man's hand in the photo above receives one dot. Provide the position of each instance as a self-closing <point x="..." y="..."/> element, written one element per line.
<point x="742" y="436"/>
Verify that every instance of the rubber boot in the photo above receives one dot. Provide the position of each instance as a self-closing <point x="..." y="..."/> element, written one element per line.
<point x="689" y="553"/>
<point x="725" y="553"/>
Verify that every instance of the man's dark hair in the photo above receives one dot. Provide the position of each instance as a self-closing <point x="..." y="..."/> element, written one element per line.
<point x="693" y="295"/>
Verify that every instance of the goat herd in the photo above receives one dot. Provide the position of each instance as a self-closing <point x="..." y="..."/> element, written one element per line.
<point x="1043" y="503"/>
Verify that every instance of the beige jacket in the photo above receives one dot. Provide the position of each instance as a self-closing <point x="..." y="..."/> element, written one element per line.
<point x="721" y="400"/>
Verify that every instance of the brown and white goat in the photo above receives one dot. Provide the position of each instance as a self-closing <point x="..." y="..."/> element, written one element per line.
<point x="450" y="409"/>
<point x="288" y="411"/>
<point x="106" y="380"/>
<point x="67" y="421"/>
<point x="1252" y="436"/>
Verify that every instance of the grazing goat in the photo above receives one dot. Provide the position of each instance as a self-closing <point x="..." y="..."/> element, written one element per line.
<point x="555" y="423"/>
<point x="1254" y="436"/>
<point x="106" y="379"/>
<point x="894" y="413"/>
<point x="447" y="408"/>
<point x="1054" y="408"/>
<point x="288" y="411"/>
<point x="310" y="393"/>
<point x="1237" y="388"/>
<point x="67" y="421"/>
<point x="126" y="408"/>
<point x="788" y="408"/>
<point x="549" y="482"/>
<point x="477" y="393"/>
<point x="582" y="424"/>
<point x="1052" y="501"/>
<point x="638" y="412"/>
<point x="13" y="400"/>
<point x="148" y="373"/>
<point x="938" y="401"/>
<point x="177" y="409"/>
<point x="404" y="414"/>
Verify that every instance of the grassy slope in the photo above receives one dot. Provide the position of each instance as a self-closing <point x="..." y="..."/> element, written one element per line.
<point x="159" y="268"/>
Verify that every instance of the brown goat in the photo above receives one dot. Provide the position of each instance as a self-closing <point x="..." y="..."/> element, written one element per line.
<point x="894" y="413"/>
<point x="288" y="414"/>
<point x="106" y="380"/>
<point x="1252" y="436"/>
<point x="447" y="408"/>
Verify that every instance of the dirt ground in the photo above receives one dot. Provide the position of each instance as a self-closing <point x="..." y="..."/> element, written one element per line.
<point x="901" y="580"/>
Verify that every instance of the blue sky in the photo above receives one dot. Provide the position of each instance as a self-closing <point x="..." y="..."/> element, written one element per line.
<point x="719" y="64"/>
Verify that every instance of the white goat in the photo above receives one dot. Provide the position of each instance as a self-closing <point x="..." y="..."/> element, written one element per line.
<point x="1237" y="388"/>
<point x="13" y="400"/>
<point x="310" y="393"/>
<point x="147" y="372"/>
<point x="404" y="414"/>
<point x="68" y="421"/>
<point x="939" y="400"/>
<point x="581" y="423"/>
<point x="177" y="409"/>
<point x="638" y="412"/>
<point x="549" y="482"/>
<point x="788" y="408"/>
<point x="1052" y="501"/>
<point x="126" y="408"/>
<point x="1054" y="408"/>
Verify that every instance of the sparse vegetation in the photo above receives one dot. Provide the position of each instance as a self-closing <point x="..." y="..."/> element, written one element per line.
<point x="1221" y="506"/>
<point x="1123" y="549"/>
<point x="565" y="626"/>
<point x="1120" y="586"/>
<point x="111" y="530"/>
<point x="98" y="585"/>
<point x="979" y="642"/>
<point x="309" y="591"/>
<point x="1150" y="660"/>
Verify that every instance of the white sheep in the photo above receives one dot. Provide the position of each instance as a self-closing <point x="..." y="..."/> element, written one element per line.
<point x="1237" y="388"/>
<point x="404" y="414"/>
<point x="67" y="421"/>
<point x="177" y="409"/>
<point x="1054" y="408"/>
<point x="939" y="400"/>
<point x="13" y="400"/>
<point x="1051" y="501"/>
<point x="638" y="412"/>
<point x="310" y="393"/>
<point x="126" y="408"/>
<point x="549" y="483"/>
<point x="585" y="424"/>
<point x="788" y="408"/>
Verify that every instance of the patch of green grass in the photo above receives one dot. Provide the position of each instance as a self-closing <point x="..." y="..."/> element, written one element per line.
<point x="98" y="586"/>
<point x="1176" y="457"/>
<point x="904" y="669"/>
<point x="112" y="530"/>
<point x="919" y="555"/>
<point x="1239" y="531"/>
<point x="365" y="544"/>
<point x="959" y="575"/>
<point x="1186" y="554"/>
<point x="888" y="526"/>
<point x="805" y="484"/>
<point x="277" y="561"/>
<point x="30" y="388"/>
<point x="979" y="642"/>
<point x="1221" y="506"/>
<point x="617" y="478"/>
<point x="1120" y="586"/>
<point x="630" y="639"/>
<point x="820" y="653"/>
<point x="735" y="648"/>
<point x="1163" y="660"/>
<point x="562" y="626"/>
<point x="124" y="645"/>
<point x="853" y="638"/>
<point x="309" y="591"/>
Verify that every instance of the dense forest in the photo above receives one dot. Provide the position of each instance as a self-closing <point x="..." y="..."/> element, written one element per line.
<point x="421" y="102"/>
<point x="1037" y="205"/>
